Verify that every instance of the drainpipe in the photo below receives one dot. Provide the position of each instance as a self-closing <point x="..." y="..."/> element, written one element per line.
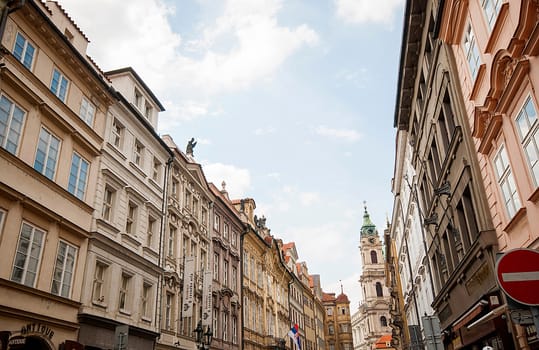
<point x="164" y="221"/>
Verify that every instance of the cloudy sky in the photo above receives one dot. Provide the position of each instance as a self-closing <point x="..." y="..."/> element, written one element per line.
<point x="291" y="102"/>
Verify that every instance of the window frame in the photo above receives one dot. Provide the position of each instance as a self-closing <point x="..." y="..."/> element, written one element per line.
<point x="24" y="50"/>
<point x="506" y="177"/>
<point x="493" y="15"/>
<point x="47" y="152"/>
<point x="529" y="136"/>
<point x="138" y="153"/>
<point x="471" y="51"/>
<point x="87" y="111"/>
<point x="117" y="133"/>
<point x="9" y="130"/>
<point x="27" y="254"/>
<point x="63" y="282"/>
<point x="75" y="189"/>
<point x="99" y="282"/>
<point x="124" y="294"/>
<point x="57" y="89"/>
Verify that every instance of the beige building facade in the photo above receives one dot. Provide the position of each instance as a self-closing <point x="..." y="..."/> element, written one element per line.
<point x="53" y="105"/>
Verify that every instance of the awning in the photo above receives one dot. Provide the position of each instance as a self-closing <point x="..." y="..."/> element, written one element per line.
<point x="492" y="314"/>
<point x="470" y="315"/>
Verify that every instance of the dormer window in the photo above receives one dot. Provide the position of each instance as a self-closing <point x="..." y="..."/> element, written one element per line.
<point x="138" y="99"/>
<point x="68" y="35"/>
<point x="148" y="111"/>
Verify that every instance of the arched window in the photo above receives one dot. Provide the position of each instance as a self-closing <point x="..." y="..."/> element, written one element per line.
<point x="383" y="321"/>
<point x="379" y="292"/>
<point x="374" y="257"/>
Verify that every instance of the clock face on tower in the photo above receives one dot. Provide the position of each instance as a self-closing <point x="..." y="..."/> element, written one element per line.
<point x="371" y="240"/>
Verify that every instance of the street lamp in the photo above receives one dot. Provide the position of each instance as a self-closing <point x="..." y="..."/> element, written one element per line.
<point x="203" y="339"/>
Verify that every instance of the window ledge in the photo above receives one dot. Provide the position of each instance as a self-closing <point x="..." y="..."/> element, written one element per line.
<point x="99" y="304"/>
<point x="116" y="150"/>
<point x="515" y="219"/>
<point x="130" y="239"/>
<point x="125" y="312"/>
<point x="535" y="196"/>
<point x="146" y="319"/>
<point x="138" y="169"/>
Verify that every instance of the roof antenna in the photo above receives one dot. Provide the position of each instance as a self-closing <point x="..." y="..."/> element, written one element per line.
<point x="341" y="287"/>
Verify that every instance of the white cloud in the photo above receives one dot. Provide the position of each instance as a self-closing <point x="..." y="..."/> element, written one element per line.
<point x="144" y="39"/>
<point x="238" y="181"/>
<point x="361" y="11"/>
<point x="265" y="131"/>
<point x="308" y="198"/>
<point x="344" y="134"/>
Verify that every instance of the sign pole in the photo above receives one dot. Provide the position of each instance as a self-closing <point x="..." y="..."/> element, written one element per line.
<point x="535" y="314"/>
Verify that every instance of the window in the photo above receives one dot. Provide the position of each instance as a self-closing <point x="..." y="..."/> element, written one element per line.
<point x="329" y="311"/>
<point x="379" y="292"/>
<point x="234" y="330"/>
<point x="491" y="8"/>
<point x="148" y="111"/>
<point x="168" y="311"/>
<point x="138" y="99"/>
<point x="123" y="297"/>
<point x="24" y="51"/>
<point x="383" y="321"/>
<point x="47" y="153"/>
<point x="331" y="329"/>
<point x="204" y="216"/>
<point x="216" y="222"/>
<point x="59" y="85"/>
<point x="77" y="176"/>
<point x="151" y="231"/>
<point x="174" y="190"/>
<point x="138" y="153"/>
<point x="87" y="111"/>
<point x="63" y="269"/>
<point x="99" y="282"/>
<point x="225" y="326"/>
<point x="374" y="257"/>
<point x="171" y="239"/>
<point x="156" y="169"/>
<point x="506" y="182"/>
<point x="11" y="120"/>
<point x="234" y="283"/>
<point x="225" y="231"/>
<point x="28" y="255"/>
<point x="108" y="198"/>
<point x="216" y="266"/>
<point x="472" y="52"/>
<point x="225" y="273"/>
<point x="130" y="224"/>
<point x="215" y="321"/>
<point x="117" y="133"/>
<point x="146" y="302"/>
<point x="234" y="238"/>
<point x="527" y="127"/>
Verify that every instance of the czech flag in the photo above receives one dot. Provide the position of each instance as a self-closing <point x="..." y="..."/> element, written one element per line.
<point x="293" y="333"/>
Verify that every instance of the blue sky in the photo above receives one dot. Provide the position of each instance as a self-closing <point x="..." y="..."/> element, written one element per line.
<point x="291" y="102"/>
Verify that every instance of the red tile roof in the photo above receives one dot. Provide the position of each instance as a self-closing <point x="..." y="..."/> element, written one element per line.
<point x="382" y="342"/>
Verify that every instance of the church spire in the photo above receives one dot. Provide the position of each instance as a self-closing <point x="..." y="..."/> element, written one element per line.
<point x="368" y="228"/>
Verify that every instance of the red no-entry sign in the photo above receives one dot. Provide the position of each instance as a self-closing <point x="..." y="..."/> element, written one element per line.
<point x="518" y="275"/>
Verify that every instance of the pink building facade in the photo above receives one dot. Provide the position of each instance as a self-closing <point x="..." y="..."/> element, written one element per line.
<point x="495" y="45"/>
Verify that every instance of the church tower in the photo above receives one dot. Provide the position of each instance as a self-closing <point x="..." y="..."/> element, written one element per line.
<point x="374" y="308"/>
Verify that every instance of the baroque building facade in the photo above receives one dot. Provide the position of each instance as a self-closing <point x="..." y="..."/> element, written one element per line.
<point x="446" y="187"/>
<point x="122" y="267"/>
<point x="53" y="112"/>
<point x="495" y="46"/>
<point x="338" y="330"/>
